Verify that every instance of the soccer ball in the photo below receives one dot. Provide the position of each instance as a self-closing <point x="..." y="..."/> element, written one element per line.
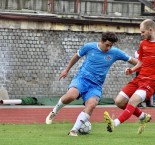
<point x="85" y="128"/>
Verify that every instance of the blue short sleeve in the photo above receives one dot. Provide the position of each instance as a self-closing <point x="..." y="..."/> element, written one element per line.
<point x="83" y="50"/>
<point x="122" y="55"/>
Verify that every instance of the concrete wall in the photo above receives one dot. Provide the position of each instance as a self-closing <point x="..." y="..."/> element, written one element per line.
<point x="31" y="57"/>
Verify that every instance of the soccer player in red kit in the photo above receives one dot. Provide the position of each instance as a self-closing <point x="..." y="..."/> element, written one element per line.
<point x="141" y="87"/>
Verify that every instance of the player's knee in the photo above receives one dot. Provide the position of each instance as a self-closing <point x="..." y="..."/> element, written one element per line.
<point x="67" y="99"/>
<point x="119" y="103"/>
<point x="92" y="105"/>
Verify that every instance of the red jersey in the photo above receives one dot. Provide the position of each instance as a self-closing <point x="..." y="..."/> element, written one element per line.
<point x="147" y="56"/>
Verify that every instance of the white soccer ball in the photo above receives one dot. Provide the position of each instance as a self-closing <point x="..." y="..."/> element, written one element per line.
<point x="85" y="128"/>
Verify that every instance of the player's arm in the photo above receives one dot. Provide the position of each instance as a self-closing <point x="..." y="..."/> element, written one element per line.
<point x="72" y="61"/>
<point x="129" y="71"/>
<point x="133" y="61"/>
<point x="137" y="66"/>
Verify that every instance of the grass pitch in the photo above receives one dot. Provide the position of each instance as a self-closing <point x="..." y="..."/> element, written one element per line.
<point x="56" y="134"/>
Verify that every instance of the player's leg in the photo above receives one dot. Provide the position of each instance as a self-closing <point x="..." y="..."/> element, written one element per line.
<point x="145" y="91"/>
<point x="144" y="117"/>
<point x="148" y="90"/>
<point x="124" y="96"/>
<point x="131" y="108"/>
<point x="121" y="101"/>
<point x="75" y="88"/>
<point x="138" y="96"/>
<point x="90" y="105"/>
<point x="126" y="114"/>
<point x="70" y="96"/>
<point x="81" y="117"/>
<point x="90" y="98"/>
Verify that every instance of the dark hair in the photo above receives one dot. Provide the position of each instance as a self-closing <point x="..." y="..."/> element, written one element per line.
<point x="110" y="36"/>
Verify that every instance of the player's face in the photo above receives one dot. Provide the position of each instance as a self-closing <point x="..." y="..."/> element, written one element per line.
<point x="146" y="34"/>
<point x="106" y="45"/>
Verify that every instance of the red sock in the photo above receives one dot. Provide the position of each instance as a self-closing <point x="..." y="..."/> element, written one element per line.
<point x="137" y="111"/>
<point x="126" y="114"/>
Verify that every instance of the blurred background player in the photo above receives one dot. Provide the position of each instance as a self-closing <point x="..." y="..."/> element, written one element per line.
<point x="141" y="87"/>
<point x="87" y="83"/>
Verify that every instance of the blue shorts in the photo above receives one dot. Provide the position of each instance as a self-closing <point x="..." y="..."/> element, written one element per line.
<point x="86" y="88"/>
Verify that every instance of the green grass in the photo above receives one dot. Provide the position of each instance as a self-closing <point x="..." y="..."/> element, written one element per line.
<point x="56" y="134"/>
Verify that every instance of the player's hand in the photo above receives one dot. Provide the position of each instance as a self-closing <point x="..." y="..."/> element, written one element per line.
<point x="128" y="71"/>
<point x="63" y="74"/>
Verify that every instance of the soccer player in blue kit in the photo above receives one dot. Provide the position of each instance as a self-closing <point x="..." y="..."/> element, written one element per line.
<point x="88" y="82"/>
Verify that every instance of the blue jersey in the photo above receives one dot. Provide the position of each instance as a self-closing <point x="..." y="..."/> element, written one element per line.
<point x="97" y="62"/>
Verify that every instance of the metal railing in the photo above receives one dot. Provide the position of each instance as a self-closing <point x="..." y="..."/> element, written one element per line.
<point x="75" y="7"/>
<point x="96" y="8"/>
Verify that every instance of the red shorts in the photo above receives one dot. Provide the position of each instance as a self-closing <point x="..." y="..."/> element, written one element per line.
<point x="147" y="85"/>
